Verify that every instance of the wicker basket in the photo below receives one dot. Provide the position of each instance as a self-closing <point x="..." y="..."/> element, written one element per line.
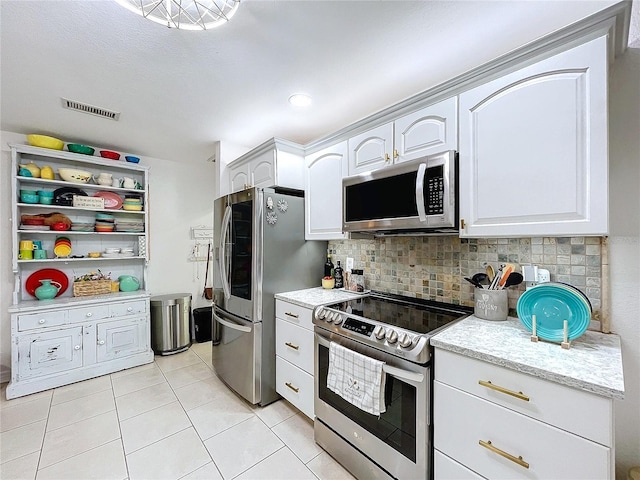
<point x="92" y="287"/>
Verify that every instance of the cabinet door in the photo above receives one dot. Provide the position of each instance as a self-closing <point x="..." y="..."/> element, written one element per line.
<point x="121" y="338"/>
<point x="49" y="352"/>
<point x="533" y="149"/>
<point x="433" y="129"/>
<point x="371" y="150"/>
<point x="323" y="203"/>
<point x="238" y="178"/>
<point x="262" y="170"/>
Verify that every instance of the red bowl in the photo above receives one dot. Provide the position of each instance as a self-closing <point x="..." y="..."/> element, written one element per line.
<point x="110" y="154"/>
<point x="33" y="221"/>
<point x="60" y="226"/>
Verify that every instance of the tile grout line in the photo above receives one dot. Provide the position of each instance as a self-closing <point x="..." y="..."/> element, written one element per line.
<point x="124" y="454"/>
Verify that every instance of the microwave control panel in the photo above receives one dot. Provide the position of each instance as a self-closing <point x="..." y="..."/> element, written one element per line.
<point x="435" y="190"/>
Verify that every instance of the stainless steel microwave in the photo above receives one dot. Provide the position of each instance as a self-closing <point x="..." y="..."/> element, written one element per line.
<point x="413" y="198"/>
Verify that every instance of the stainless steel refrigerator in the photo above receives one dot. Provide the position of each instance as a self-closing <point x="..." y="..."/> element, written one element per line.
<point x="259" y="250"/>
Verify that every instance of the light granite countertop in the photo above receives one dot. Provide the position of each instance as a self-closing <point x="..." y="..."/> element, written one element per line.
<point x="593" y="363"/>
<point x="313" y="297"/>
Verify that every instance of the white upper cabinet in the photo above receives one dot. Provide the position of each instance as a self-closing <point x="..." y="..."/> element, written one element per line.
<point x="323" y="203"/>
<point x="533" y="149"/>
<point x="430" y="130"/>
<point x="275" y="163"/>
<point x="433" y="129"/>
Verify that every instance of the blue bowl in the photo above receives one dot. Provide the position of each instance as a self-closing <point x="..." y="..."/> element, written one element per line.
<point x="25" y="173"/>
<point x="45" y="193"/>
<point x="45" y="200"/>
<point x="132" y="159"/>
<point x="28" y="192"/>
<point x="29" y="198"/>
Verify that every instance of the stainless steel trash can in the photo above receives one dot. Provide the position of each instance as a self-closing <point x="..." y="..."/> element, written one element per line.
<point x="170" y="323"/>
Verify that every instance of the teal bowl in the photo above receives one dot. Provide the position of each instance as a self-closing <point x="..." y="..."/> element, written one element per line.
<point x="28" y="192"/>
<point x="45" y="200"/>
<point x="29" y="198"/>
<point x="45" y="193"/>
<point x="77" y="148"/>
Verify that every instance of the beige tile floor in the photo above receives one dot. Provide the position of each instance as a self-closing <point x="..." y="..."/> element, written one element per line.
<point x="170" y="419"/>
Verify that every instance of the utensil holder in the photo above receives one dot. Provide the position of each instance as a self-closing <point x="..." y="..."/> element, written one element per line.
<point x="491" y="304"/>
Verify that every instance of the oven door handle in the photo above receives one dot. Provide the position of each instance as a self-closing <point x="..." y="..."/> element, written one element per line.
<point x="393" y="371"/>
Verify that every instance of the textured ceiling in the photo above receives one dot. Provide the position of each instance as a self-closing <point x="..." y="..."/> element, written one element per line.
<point x="181" y="91"/>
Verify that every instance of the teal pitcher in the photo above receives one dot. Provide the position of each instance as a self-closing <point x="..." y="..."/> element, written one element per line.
<point x="48" y="290"/>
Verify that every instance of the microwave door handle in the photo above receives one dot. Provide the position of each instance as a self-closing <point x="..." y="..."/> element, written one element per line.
<point x="222" y="265"/>
<point x="231" y="325"/>
<point x="422" y="214"/>
<point x="400" y="373"/>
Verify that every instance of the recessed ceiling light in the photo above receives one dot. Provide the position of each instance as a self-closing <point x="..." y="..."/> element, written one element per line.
<point x="300" y="100"/>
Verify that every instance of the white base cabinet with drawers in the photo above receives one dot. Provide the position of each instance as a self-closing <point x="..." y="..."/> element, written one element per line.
<point x="54" y="346"/>
<point x="493" y="422"/>
<point x="294" y="355"/>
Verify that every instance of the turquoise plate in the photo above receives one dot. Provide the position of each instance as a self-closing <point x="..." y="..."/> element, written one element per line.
<point x="552" y="304"/>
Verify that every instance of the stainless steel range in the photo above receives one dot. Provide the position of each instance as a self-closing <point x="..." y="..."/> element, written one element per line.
<point x="396" y="330"/>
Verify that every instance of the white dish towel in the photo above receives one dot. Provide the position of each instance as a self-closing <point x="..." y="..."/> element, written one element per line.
<point x="356" y="378"/>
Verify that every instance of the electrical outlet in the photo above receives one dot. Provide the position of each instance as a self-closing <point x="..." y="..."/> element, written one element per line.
<point x="349" y="264"/>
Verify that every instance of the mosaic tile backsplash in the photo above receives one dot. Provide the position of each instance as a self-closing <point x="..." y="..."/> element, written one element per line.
<point x="434" y="267"/>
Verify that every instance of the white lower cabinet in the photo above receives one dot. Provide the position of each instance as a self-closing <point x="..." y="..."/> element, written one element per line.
<point x="294" y="355"/>
<point x="444" y="468"/>
<point x="499" y="423"/>
<point x="58" y="345"/>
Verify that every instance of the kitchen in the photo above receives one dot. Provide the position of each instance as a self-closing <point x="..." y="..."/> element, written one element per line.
<point x="622" y="241"/>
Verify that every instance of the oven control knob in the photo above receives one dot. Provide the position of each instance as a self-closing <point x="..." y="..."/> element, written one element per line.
<point x="379" y="332"/>
<point x="392" y="336"/>
<point x="405" y="340"/>
<point x="338" y="319"/>
<point x="320" y="313"/>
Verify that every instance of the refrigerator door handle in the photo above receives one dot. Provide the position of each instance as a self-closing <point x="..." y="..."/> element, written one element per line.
<point x="232" y="325"/>
<point x="222" y="260"/>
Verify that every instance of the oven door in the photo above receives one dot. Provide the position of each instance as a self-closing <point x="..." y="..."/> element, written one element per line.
<point x="399" y="440"/>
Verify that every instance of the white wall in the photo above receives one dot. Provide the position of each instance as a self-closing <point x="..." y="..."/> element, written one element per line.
<point x="624" y="157"/>
<point x="181" y="196"/>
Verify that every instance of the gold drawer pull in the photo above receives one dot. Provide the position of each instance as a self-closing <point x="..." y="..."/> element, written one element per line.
<point x="291" y="345"/>
<point x="504" y="454"/>
<point x="291" y="314"/>
<point x="292" y="387"/>
<point x="497" y="388"/>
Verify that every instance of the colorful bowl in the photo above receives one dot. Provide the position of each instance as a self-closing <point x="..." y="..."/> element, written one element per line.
<point x="62" y="250"/>
<point x="74" y="176"/>
<point x="45" y="142"/>
<point x="60" y="226"/>
<point x="45" y="200"/>
<point x="29" y="197"/>
<point x="132" y="208"/>
<point x="131" y="158"/>
<point x="77" y="148"/>
<point x="110" y="154"/>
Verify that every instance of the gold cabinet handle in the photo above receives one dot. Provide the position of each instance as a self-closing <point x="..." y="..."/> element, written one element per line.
<point x="292" y="387"/>
<point x="386" y="157"/>
<point x="500" y="389"/>
<point x="462" y="224"/>
<point x="395" y="153"/>
<point x="291" y="345"/>
<point x="504" y="454"/>
<point x="291" y="314"/>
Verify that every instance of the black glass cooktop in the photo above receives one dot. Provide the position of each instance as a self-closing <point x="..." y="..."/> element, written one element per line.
<point x="420" y="316"/>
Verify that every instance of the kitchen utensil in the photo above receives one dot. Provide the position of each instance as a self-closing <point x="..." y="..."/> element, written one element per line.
<point x="33" y="168"/>
<point x="33" y="281"/>
<point x="552" y="305"/>
<point x="473" y="282"/>
<point x="208" y="291"/>
<point x="481" y="278"/>
<point x="74" y="175"/>
<point x="48" y="289"/>
<point x="77" y="148"/>
<point x="514" y="278"/>
<point x="490" y="273"/>
<point x="506" y="271"/>
<point x="44" y="141"/>
<point x="491" y="304"/>
<point x="110" y="154"/>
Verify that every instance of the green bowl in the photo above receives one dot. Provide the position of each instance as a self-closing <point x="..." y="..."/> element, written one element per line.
<point x="77" y="148"/>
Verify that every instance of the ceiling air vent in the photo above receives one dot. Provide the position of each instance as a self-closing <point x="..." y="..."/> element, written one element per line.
<point x="83" y="107"/>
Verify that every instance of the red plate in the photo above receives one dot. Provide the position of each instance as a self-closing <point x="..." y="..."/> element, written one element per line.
<point x="33" y="281"/>
<point x="112" y="201"/>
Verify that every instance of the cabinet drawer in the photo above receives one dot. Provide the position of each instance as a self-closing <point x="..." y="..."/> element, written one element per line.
<point x="92" y="312"/>
<point x="576" y="411"/>
<point x="445" y="468"/>
<point x="128" y="308"/>
<point x="49" y="352"/>
<point x="295" y="344"/>
<point x="41" y="320"/>
<point x="295" y="385"/>
<point x="294" y="313"/>
<point x="462" y="421"/>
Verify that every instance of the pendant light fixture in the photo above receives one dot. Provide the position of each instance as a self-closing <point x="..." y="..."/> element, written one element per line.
<point x="184" y="14"/>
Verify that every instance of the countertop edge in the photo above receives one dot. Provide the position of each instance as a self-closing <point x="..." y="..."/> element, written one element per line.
<point x="304" y="298"/>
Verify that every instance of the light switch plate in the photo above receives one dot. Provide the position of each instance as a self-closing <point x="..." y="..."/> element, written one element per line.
<point x="349" y="264"/>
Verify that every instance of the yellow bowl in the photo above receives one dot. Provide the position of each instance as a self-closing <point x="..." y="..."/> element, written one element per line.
<point x="94" y="254"/>
<point x="45" y="142"/>
<point x="328" y="284"/>
<point x="133" y="208"/>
